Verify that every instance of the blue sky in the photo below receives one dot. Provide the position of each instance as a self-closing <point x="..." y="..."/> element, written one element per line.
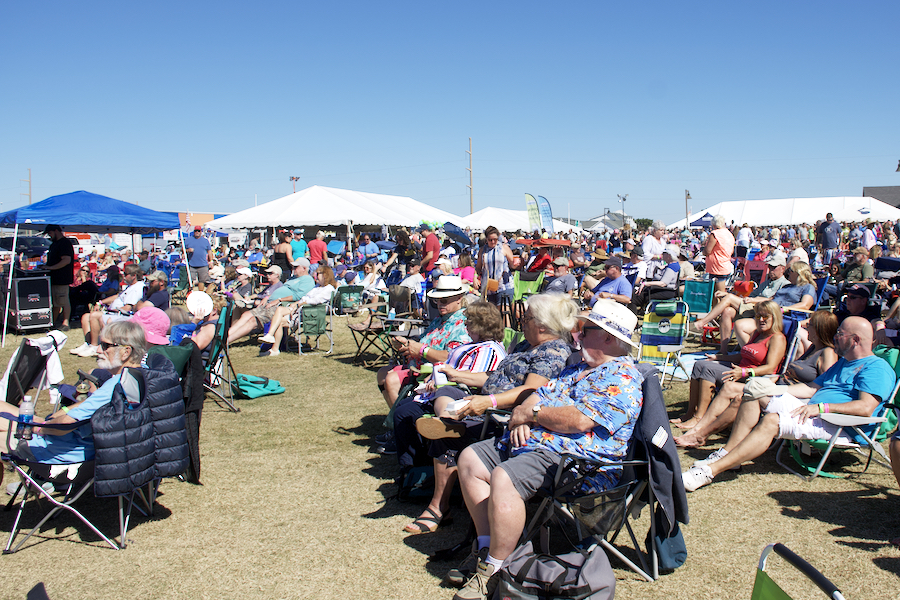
<point x="201" y="106"/>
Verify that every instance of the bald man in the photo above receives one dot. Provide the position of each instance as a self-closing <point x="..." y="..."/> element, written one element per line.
<point x="859" y="383"/>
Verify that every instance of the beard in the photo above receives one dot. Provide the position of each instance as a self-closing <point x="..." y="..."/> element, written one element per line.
<point x="112" y="364"/>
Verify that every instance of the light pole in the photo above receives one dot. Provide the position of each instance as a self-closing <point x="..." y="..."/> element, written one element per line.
<point x="622" y="200"/>
<point x="294" y="181"/>
<point x="687" y="212"/>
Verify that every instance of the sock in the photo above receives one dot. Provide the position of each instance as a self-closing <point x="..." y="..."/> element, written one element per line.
<point x="496" y="562"/>
<point x="484" y="541"/>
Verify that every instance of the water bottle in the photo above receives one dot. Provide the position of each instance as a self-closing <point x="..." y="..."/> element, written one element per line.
<point x="392" y="314"/>
<point x="26" y="415"/>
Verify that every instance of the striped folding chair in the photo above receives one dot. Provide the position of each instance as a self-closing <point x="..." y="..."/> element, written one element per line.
<point x="662" y="337"/>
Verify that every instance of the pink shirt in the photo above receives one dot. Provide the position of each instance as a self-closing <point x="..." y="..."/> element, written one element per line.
<point x="718" y="262"/>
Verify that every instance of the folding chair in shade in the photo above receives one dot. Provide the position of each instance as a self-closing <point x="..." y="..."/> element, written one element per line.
<point x="525" y="285"/>
<point x="765" y="588"/>
<point x="698" y="295"/>
<point x="868" y="433"/>
<point x="662" y="337"/>
<point x="27" y="369"/>
<point x="314" y="321"/>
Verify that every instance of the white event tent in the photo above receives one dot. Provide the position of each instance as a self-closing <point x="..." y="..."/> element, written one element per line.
<point x="506" y="220"/>
<point x="325" y="206"/>
<point x="793" y="211"/>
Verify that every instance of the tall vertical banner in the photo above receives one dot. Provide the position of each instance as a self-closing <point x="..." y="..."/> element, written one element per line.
<point x="534" y="216"/>
<point x="546" y="214"/>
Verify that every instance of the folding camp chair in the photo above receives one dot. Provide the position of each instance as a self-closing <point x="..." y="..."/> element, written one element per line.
<point x="179" y="292"/>
<point x="756" y="270"/>
<point x="764" y="588"/>
<point x="871" y="430"/>
<point x="662" y="337"/>
<point x="525" y="285"/>
<point x="602" y="516"/>
<point x="218" y="368"/>
<point x="698" y="295"/>
<point x="347" y="299"/>
<point x="133" y="389"/>
<point x="27" y="369"/>
<point x="314" y="321"/>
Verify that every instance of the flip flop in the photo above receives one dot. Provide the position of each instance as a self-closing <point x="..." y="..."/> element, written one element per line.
<point x="428" y="524"/>
<point x="436" y="428"/>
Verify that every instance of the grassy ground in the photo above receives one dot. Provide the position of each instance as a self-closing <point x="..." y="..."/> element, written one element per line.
<point x="294" y="504"/>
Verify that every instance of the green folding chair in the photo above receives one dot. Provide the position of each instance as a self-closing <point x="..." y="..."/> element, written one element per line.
<point x="765" y="588"/>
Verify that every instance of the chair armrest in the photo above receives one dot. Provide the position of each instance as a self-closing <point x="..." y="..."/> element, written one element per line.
<point x="849" y="420"/>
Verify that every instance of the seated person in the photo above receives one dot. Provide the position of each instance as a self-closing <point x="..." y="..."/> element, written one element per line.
<point x="284" y="314"/>
<point x="547" y="325"/>
<point x="635" y="265"/>
<point x="118" y="307"/>
<point x="666" y="287"/>
<point x="112" y="284"/>
<point x="859" y="384"/>
<point x="155" y="323"/>
<point x="613" y="286"/>
<point x="263" y="311"/>
<point x="590" y="411"/>
<point x="414" y="279"/>
<point x="812" y="363"/>
<point x="729" y="306"/>
<point x="562" y="281"/>
<point x="762" y="354"/>
<point x="156" y="292"/>
<point x="799" y="294"/>
<point x="122" y="344"/>
<point x="84" y="290"/>
<point x="466" y="270"/>
<point x="442" y="335"/>
<point x="373" y="283"/>
<point x="241" y="287"/>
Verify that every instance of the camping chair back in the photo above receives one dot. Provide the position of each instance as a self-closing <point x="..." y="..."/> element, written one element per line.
<point x="820" y="292"/>
<point x="177" y="355"/>
<point x="218" y="364"/>
<point x="698" y="295"/>
<point x="756" y="270"/>
<point x="24" y="368"/>
<point x="316" y="320"/>
<point x="400" y="298"/>
<point x="662" y="336"/>
<point x="348" y="299"/>
<point x="526" y="284"/>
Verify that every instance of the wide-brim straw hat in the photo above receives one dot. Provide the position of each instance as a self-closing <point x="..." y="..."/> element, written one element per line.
<point x="447" y="286"/>
<point x="614" y="318"/>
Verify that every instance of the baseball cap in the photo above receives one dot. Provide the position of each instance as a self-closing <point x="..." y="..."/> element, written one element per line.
<point x="859" y="290"/>
<point x="298" y="232"/>
<point x="245" y="271"/>
<point x="274" y="269"/>
<point x="198" y="228"/>
<point x="776" y="260"/>
<point x="300" y="262"/>
<point x="562" y="262"/>
<point x="614" y="261"/>
<point x="50" y="228"/>
<point x="155" y="323"/>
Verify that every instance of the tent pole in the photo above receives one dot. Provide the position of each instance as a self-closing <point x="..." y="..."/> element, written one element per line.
<point x="12" y="267"/>
<point x="184" y="253"/>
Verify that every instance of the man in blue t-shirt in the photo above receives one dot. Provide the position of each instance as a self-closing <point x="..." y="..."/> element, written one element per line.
<point x="859" y="383"/>
<point x="614" y="286"/>
<point x="299" y="249"/>
<point x="829" y="237"/>
<point x="199" y="255"/>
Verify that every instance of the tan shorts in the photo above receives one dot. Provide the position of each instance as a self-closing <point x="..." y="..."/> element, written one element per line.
<point x="60" y="295"/>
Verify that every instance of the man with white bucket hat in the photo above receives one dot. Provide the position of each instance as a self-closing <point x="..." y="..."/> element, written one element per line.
<point x="590" y="410"/>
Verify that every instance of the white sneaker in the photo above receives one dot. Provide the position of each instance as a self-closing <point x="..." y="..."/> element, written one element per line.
<point x="714" y="457"/>
<point x="89" y="351"/>
<point x="267" y="339"/>
<point x="274" y="352"/>
<point x="80" y="349"/>
<point x="12" y="487"/>
<point x="696" y="477"/>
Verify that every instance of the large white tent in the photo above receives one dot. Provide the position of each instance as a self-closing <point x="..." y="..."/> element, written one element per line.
<point x="319" y="205"/>
<point x="505" y="219"/>
<point x="793" y="211"/>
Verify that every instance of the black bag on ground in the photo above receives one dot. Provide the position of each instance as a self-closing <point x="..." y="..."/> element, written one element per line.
<point x="526" y="575"/>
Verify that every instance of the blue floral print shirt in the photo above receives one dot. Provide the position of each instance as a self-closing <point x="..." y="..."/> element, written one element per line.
<point x="547" y="360"/>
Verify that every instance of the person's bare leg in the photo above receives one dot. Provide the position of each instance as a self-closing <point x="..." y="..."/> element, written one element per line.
<point x="693" y="396"/>
<point x="506" y="511"/>
<point x="720" y="414"/>
<point x="743" y="330"/>
<point x="392" y="385"/>
<point x="747" y="418"/>
<point x="244" y="326"/>
<point x="444" y="479"/>
<point x="475" y="482"/>
<point x="705" y="391"/>
<point x="96" y="324"/>
<point x="757" y="441"/>
<point x="726" y="325"/>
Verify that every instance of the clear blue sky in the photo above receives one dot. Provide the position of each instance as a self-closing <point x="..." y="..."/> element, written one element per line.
<point x="202" y="105"/>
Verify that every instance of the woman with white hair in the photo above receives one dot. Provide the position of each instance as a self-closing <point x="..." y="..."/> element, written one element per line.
<point x="718" y="250"/>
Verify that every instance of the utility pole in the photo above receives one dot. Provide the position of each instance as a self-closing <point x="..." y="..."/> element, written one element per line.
<point x="687" y="213"/>
<point x="471" y="190"/>
<point x="294" y="181"/>
<point x="29" y="186"/>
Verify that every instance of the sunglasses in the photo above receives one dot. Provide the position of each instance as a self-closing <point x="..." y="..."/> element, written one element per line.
<point x="107" y="345"/>
<point x="447" y="300"/>
<point x="587" y="328"/>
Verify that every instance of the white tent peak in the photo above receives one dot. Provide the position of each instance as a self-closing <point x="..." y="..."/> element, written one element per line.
<point x="793" y="211"/>
<point x="506" y="219"/>
<point x="320" y="205"/>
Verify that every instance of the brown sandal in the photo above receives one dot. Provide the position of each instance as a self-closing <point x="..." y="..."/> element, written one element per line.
<point x="428" y="524"/>
<point x="436" y="428"/>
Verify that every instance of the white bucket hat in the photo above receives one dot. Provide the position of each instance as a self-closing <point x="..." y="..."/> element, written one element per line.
<point x="614" y="318"/>
<point x="446" y="286"/>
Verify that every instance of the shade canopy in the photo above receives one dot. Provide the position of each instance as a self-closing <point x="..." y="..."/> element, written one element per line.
<point x="794" y="211"/>
<point x="326" y="206"/>
<point x="84" y="212"/>
<point x="506" y="219"/>
<point x="704" y="221"/>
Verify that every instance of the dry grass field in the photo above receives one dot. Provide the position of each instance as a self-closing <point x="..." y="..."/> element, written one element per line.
<point x="294" y="504"/>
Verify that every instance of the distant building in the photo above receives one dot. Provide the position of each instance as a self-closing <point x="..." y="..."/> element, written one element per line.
<point x="889" y="194"/>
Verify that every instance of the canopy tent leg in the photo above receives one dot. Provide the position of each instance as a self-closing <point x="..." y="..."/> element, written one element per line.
<point x="12" y="266"/>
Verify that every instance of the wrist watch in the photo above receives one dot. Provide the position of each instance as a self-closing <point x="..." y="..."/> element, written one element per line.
<point x="535" y="411"/>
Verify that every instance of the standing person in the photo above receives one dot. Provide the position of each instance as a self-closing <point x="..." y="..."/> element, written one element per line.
<point x="493" y="264"/>
<point x="317" y="249"/>
<point x="60" y="257"/>
<point x="829" y="238"/>
<point x="299" y="249"/>
<point x="283" y="255"/>
<point x="368" y="248"/>
<point x="431" y="248"/>
<point x="718" y="249"/>
<point x="199" y="255"/>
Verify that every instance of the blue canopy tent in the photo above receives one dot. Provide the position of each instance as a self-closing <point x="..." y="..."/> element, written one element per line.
<point x="84" y="212"/>
<point x="704" y="221"/>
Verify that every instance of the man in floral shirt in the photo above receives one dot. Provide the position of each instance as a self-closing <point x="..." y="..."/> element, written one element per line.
<point x="590" y="410"/>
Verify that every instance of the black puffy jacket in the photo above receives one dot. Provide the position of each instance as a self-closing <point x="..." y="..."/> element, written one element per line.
<point x="164" y="395"/>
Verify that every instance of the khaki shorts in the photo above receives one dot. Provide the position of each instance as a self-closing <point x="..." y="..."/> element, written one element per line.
<point x="60" y="295"/>
<point x="745" y="311"/>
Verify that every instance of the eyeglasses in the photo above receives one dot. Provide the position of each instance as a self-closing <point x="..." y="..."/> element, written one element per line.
<point x="447" y="300"/>
<point x="107" y="345"/>
<point x="527" y="319"/>
<point x="585" y="329"/>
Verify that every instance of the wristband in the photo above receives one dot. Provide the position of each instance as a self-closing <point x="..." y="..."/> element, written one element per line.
<point x="424" y="352"/>
<point x="821" y="408"/>
<point x="493" y="401"/>
<point x="752" y="372"/>
<point x="743" y="373"/>
<point x="65" y="409"/>
<point x="827" y="408"/>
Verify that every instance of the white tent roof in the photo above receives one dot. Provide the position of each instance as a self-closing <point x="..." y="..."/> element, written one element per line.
<point x="505" y="219"/>
<point x="793" y="211"/>
<point x="319" y="205"/>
